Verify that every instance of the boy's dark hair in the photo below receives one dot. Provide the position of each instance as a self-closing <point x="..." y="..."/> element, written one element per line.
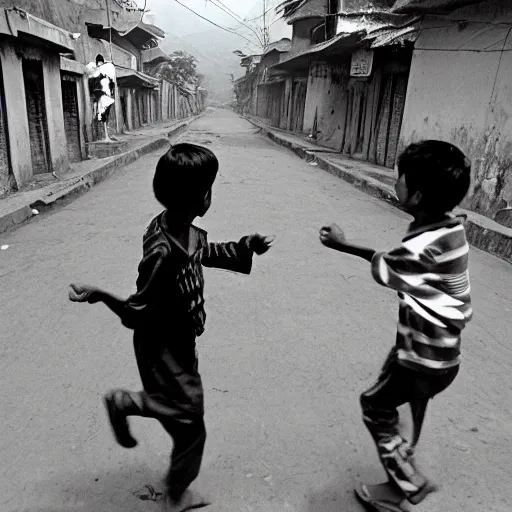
<point x="437" y="169"/>
<point x="183" y="177"/>
<point x="100" y="58"/>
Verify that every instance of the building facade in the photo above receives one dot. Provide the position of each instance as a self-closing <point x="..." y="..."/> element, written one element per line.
<point x="46" y="111"/>
<point x="368" y="77"/>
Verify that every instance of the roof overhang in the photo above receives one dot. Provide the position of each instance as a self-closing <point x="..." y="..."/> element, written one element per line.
<point x="144" y="36"/>
<point x="135" y="79"/>
<point x="430" y="6"/>
<point x="35" y="31"/>
<point x="339" y="44"/>
<point x="155" y="56"/>
<point x="141" y="37"/>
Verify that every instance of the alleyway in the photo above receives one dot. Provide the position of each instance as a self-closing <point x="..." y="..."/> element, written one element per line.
<point x="285" y="355"/>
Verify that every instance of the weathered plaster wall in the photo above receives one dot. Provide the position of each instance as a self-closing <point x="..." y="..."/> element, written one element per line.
<point x="19" y="138"/>
<point x="465" y="97"/>
<point x="72" y="15"/>
<point x="17" y="121"/>
<point x="301" y="38"/>
<point x="55" y="114"/>
<point x="327" y="97"/>
<point x="312" y="8"/>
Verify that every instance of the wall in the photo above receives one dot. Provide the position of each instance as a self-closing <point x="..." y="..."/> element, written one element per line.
<point x="17" y="121"/>
<point x="327" y="97"/>
<point x="465" y="97"/>
<point x="301" y="38"/>
<point x="312" y="8"/>
<point x="55" y="114"/>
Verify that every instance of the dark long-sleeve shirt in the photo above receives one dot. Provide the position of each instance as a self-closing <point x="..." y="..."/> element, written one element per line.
<point x="170" y="283"/>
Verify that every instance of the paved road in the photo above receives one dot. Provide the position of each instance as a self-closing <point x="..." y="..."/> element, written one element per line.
<point x="285" y="354"/>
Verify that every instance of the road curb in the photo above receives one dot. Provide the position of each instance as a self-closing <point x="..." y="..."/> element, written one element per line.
<point x="21" y="214"/>
<point x="481" y="232"/>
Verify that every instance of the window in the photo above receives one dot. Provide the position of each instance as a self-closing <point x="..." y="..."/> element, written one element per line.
<point x="331" y="22"/>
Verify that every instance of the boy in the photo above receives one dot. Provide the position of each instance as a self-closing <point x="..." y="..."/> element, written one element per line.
<point x="167" y="314"/>
<point x="430" y="273"/>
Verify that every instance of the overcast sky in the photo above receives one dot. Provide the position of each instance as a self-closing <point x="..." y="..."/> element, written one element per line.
<point x="177" y="19"/>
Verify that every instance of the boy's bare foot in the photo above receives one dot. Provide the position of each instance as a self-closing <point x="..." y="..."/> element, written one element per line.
<point x="114" y="403"/>
<point x="189" y="500"/>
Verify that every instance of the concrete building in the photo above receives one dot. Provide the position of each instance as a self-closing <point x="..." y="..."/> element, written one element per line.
<point x="366" y="78"/>
<point x="138" y="103"/>
<point x="39" y="128"/>
<point x="355" y="58"/>
<point x="460" y="91"/>
<point x="46" y="118"/>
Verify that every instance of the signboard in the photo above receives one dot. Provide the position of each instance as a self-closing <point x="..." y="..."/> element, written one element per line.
<point x="362" y="61"/>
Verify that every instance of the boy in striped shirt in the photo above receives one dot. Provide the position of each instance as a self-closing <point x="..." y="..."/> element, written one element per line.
<point x="429" y="270"/>
<point x="167" y="315"/>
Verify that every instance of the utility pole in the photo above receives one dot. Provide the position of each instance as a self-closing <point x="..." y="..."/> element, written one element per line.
<point x="265" y="34"/>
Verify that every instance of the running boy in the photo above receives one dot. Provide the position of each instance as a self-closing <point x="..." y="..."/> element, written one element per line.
<point x="430" y="273"/>
<point x="167" y="314"/>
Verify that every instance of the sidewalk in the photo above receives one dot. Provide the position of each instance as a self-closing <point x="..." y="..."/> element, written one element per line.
<point x="377" y="181"/>
<point x="22" y="206"/>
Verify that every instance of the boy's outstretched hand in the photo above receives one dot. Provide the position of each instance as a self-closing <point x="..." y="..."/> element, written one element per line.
<point x="332" y="236"/>
<point x="83" y="293"/>
<point x="260" y="244"/>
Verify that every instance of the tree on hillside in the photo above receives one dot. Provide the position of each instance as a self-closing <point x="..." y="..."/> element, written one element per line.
<point x="182" y="68"/>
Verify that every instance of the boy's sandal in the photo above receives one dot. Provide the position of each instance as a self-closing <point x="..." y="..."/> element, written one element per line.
<point x="373" y="505"/>
<point x="428" y="488"/>
<point x="114" y="404"/>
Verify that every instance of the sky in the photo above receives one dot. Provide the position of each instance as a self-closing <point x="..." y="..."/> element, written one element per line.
<point x="188" y="23"/>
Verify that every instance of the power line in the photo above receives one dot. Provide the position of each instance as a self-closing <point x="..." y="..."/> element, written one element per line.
<point x="226" y="7"/>
<point x="238" y="20"/>
<point x="261" y="15"/>
<point x="213" y="23"/>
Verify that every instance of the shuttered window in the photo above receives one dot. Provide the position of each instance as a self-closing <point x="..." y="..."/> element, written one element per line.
<point x="71" y="117"/>
<point x="36" y="112"/>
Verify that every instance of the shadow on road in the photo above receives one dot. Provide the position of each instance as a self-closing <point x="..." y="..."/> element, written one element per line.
<point x="98" y="492"/>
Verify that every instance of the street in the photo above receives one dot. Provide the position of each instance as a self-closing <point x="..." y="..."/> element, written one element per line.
<point x="286" y="352"/>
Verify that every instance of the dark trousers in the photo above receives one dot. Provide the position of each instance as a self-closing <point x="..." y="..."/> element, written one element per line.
<point x="396" y="386"/>
<point x="173" y="395"/>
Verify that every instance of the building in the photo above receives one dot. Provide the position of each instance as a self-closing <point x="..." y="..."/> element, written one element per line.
<point x="138" y="103"/>
<point x="460" y="91"/>
<point x="39" y="129"/>
<point x="270" y="91"/>
<point x="354" y="60"/>
<point x="368" y="77"/>
<point x="46" y="115"/>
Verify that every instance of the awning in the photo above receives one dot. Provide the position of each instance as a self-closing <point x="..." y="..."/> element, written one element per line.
<point x="155" y="56"/>
<point x="339" y="43"/>
<point x="135" y="79"/>
<point x="142" y="37"/>
<point x="37" y="32"/>
<point x="389" y="36"/>
<point x="430" y="6"/>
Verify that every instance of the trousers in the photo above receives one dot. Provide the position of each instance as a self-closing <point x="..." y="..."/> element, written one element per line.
<point x="173" y="395"/>
<point x="398" y="385"/>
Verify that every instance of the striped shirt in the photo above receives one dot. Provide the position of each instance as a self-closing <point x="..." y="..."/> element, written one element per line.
<point x="170" y="284"/>
<point x="430" y="273"/>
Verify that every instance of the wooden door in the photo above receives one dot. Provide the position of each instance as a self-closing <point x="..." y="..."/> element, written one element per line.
<point x="36" y="111"/>
<point x="71" y="118"/>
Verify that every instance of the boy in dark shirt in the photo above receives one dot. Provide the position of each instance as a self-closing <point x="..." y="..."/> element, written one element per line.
<point x="430" y="273"/>
<point x="167" y="314"/>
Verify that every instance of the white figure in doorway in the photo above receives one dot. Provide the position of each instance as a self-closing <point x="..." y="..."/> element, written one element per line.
<point x="102" y="77"/>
